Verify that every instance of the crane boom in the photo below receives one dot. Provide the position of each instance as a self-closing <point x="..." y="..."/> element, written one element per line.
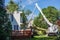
<point x="43" y="15"/>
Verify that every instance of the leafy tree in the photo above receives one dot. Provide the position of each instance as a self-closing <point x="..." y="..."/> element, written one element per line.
<point x="27" y="12"/>
<point x="12" y="6"/>
<point x="50" y="13"/>
<point x="5" y="25"/>
<point x="24" y="16"/>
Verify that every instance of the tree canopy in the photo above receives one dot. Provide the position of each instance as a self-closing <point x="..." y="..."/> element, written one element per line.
<point x="5" y="25"/>
<point x="12" y="6"/>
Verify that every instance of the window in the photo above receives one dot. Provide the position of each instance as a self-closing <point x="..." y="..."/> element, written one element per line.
<point x="16" y="27"/>
<point x="11" y="17"/>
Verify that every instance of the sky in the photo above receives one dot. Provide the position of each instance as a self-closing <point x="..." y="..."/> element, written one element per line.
<point x="30" y="4"/>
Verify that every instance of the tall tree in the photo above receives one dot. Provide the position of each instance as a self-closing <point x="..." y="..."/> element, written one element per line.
<point x="5" y="25"/>
<point x="11" y="7"/>
<point x="24" y="16"/>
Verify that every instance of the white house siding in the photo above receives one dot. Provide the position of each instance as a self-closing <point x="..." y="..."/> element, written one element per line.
<point x="16" y="19"/>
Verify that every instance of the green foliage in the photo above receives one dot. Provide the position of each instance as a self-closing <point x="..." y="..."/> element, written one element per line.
<point x="12" y="6"/>
<point x="24" y="15"/>
<point x="50" y="13"/>
<point x="27" y="12"/>
<point x="5" y="25"/>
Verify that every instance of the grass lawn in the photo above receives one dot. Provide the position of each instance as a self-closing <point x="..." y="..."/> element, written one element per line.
<point x="44" y="37"/>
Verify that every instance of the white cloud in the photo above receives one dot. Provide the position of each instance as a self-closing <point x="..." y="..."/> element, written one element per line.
<point x="31" y="1"/>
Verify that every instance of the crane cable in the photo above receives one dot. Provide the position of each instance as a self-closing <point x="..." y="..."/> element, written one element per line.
<point x="29" y="24"/>
<point x="33" y="12"/>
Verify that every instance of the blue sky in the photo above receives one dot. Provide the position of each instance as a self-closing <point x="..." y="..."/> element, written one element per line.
<point x="29" y="4"/>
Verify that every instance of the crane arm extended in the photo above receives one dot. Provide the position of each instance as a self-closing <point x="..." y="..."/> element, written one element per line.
<point x="43" y="15"/>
